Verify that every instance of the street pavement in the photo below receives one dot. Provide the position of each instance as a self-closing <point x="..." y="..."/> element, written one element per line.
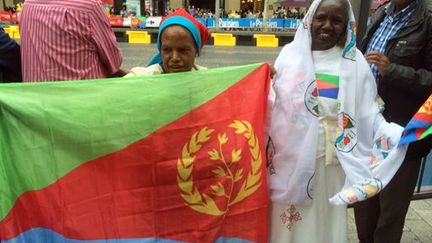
<point x="211" y="56"/>
<point x="418" y="224"/>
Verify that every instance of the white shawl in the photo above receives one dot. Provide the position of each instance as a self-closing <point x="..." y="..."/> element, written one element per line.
<point x="366" y="145"/>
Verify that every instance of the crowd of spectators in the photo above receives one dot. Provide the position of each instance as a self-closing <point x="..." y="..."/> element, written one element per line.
<point x="289" y="13"/>
<point x="200" y="12"/>
<point x="207" y="13"/>
<point x="280" y="13"/>
<point x="15" y="8"/>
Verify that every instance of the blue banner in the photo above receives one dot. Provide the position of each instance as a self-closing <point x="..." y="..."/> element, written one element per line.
<point x="202" y="20"/>
<point x="248" y="23"/>
<point x="292" y="23"/>
<point x="275" y="23"/>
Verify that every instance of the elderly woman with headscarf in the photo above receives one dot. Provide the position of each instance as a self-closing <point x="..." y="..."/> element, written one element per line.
<point x="180" y="39"/>
<point x="327" y="135"/>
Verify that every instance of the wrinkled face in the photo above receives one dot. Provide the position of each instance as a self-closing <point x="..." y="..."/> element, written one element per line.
<point x="329" y="24"/>
<point x="178" y="49"/>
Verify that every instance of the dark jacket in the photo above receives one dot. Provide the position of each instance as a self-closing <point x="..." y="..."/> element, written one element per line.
<point x="10" y="59"/>
<point x="408" y="82"/>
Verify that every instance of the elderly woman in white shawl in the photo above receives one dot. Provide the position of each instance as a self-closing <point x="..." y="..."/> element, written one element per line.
<point x="330" y="144"/>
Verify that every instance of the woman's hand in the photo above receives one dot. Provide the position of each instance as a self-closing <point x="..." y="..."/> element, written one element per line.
<point x="272" y="70"/>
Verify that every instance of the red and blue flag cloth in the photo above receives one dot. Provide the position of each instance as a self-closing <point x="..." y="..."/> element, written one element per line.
<point x="165" y="158"/>
<point x="419" y="126"/>
<point x="327" y="85"/>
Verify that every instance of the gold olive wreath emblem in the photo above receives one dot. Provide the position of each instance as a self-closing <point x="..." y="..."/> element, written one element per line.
<point x="202" y="202"/>
<point x="427" y="106"/>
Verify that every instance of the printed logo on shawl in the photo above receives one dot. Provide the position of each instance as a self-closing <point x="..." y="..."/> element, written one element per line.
<point x="301" y="97"/>
<point x="349" y="51"/>
<point x="310" y="186"/>
<point x="270" y="149"/>
<point x="290" y="216"/>
<point x="311" y="99"/>
<point x="348" y="139"/>
<point x="361" y="192"/>
<point x="381" y="149"/>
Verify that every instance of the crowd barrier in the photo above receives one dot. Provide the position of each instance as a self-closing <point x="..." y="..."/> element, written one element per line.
<point x="230" y="23"/>
<point x="251" y="23"/>
<point x="154" y="22"/>
<point x="266" y="40"/>
<point x="138" y="37"/>
<point x="9" y="17"/>
<point x="224" y="39"/>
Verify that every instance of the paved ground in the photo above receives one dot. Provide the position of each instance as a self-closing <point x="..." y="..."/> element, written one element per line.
<point x="211" y="56"/>
<point x="418" y="226"/>
<point x="418" y="223"/>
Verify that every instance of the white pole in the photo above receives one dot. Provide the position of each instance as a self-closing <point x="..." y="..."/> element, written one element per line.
<point x="217" y="13"/>
<point x="265" y="15"/>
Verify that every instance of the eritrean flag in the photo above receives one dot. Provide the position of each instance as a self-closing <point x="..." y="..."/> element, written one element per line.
<point x="420" y="125"/>
<point x="328" y="85"/>
<point x="166" y="158"/>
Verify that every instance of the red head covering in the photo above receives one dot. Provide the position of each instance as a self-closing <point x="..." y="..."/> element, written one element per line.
<point x="203" y="31"/>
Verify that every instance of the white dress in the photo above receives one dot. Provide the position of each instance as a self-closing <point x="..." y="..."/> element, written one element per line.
<point x="319" y="222"/>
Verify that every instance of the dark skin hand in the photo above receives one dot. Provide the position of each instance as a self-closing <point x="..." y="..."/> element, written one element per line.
<point x="272" y="70"/>
<point x="380" y="60"/>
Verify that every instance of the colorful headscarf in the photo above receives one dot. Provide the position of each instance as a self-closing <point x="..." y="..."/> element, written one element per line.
<point x="182" y="18"/>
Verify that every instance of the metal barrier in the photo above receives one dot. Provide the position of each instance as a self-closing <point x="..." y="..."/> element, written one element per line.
<point x="251" y="24"/>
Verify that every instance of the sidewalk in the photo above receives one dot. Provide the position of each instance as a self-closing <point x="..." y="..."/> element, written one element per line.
<point x="418" y="223"/>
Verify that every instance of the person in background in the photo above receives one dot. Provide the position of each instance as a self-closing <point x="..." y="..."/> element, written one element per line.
<point x="398" y="46"/>
<point x="258" y="14"/>
<point x="124" y="12"/>
<point x="19" y="6"/>
<point x="180" y="40"/>
<point x="291" y="221"/>
<point x="10" y="59"/>
<point x="67" y="40"/>
<point x="324" y="130"/>
<point x="192" y="11"/>
<point x="250" y="15"/>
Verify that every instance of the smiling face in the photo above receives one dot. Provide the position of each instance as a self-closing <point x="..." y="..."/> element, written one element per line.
<point x="178" y="49"/>
<point x="329" y="24"/>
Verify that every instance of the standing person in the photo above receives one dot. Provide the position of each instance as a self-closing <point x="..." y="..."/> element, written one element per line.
<point x="326" y="131"/>
<point x="67" y="40"/>
<point x="180" y="40"/>
<point x="192" y="11"/>
<point x="398" y="46"/>
<point x="124" y="12"/>
<point x="10" y="59"/>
